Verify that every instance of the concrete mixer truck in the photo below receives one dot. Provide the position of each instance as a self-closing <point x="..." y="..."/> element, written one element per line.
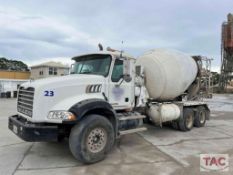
<point x="109" y="94"/>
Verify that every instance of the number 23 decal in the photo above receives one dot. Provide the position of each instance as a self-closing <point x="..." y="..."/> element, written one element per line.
<point x="49" y="93"/>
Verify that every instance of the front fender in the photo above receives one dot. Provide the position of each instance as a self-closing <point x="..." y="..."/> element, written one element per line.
<point x="95" y="106"/>
<point x="67" y="103"/>
<point x="80" y="109"/>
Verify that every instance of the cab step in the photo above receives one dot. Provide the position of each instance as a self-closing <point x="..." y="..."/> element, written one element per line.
<point x="130" y="131"/>
<point x="132" y="117"/>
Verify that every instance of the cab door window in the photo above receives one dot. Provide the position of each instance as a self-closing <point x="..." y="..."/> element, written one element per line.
<point x="117" y="72"/>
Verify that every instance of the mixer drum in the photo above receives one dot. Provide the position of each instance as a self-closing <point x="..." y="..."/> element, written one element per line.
<point x="168" y="73"/>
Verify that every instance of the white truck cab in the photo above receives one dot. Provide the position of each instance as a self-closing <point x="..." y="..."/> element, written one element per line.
<point x="93" y="76"/>
<point x="100" y="84"/>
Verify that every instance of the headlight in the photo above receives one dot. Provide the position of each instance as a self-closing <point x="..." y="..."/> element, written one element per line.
<point x="61" y="115"/>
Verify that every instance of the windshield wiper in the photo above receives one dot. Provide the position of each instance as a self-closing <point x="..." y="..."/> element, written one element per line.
<point x="87" y="72"/>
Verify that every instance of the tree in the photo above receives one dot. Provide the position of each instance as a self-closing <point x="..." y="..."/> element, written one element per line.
<point x="6" y="64"/>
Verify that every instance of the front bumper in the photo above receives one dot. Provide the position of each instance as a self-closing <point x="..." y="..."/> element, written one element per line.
<point x="32" y="132"/>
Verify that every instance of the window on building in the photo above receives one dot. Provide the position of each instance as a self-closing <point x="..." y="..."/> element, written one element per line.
<point x="55" y="71"/>
<point x="41" y="72"/>
<point x="52" y="71"/>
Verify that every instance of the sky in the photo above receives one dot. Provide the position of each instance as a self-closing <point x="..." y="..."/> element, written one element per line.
<point x="38" y="31"/>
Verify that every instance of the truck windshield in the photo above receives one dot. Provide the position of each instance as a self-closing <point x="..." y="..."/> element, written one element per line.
<point x="92" y="64"/>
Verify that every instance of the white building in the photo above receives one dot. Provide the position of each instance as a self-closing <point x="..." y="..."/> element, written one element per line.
<point x="49" y="69"/>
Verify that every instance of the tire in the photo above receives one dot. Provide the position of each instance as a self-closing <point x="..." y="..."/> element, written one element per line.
<point x="91" y="139"/>
<point x="60" y="138"/>
<point x="186" y="123"/>
<point x="175" y="125"/>
<point x="200" y="117"/>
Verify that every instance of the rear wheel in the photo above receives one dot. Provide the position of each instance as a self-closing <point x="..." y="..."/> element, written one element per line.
<point x="91" y="139"/>
<point x="186" y="123"/>
<point x="200" y="117"/>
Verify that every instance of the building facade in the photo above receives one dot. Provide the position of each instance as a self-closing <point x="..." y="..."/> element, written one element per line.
<point x="49" y="69"/>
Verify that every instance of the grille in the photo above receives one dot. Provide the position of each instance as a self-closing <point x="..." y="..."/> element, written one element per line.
<point x="25" y="101"/>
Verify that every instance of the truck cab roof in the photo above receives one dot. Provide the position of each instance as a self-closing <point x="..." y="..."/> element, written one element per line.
<point x="115" y="54"/>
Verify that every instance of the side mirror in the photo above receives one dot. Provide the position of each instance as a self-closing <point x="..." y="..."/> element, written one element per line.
<point x="127" y="71"/>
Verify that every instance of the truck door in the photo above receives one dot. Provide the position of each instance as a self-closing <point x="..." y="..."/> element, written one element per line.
<point x="121" y="93"/>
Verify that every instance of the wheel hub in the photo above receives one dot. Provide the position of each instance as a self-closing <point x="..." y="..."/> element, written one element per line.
<point x="189" y="121"/>
<point x="96" y="140"/>
<point x="202" y="117"/>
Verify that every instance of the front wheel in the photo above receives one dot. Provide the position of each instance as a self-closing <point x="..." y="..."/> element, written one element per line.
<point x="91" y="139"/>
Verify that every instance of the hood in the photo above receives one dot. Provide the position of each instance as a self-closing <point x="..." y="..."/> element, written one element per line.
<point x="68" y="80"/>
<point x="50" y="92"/>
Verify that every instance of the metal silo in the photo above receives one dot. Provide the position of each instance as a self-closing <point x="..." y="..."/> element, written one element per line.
<point x="226" y="53"/>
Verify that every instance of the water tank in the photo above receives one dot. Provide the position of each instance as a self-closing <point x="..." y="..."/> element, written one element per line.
<point x="168" y="73"/>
